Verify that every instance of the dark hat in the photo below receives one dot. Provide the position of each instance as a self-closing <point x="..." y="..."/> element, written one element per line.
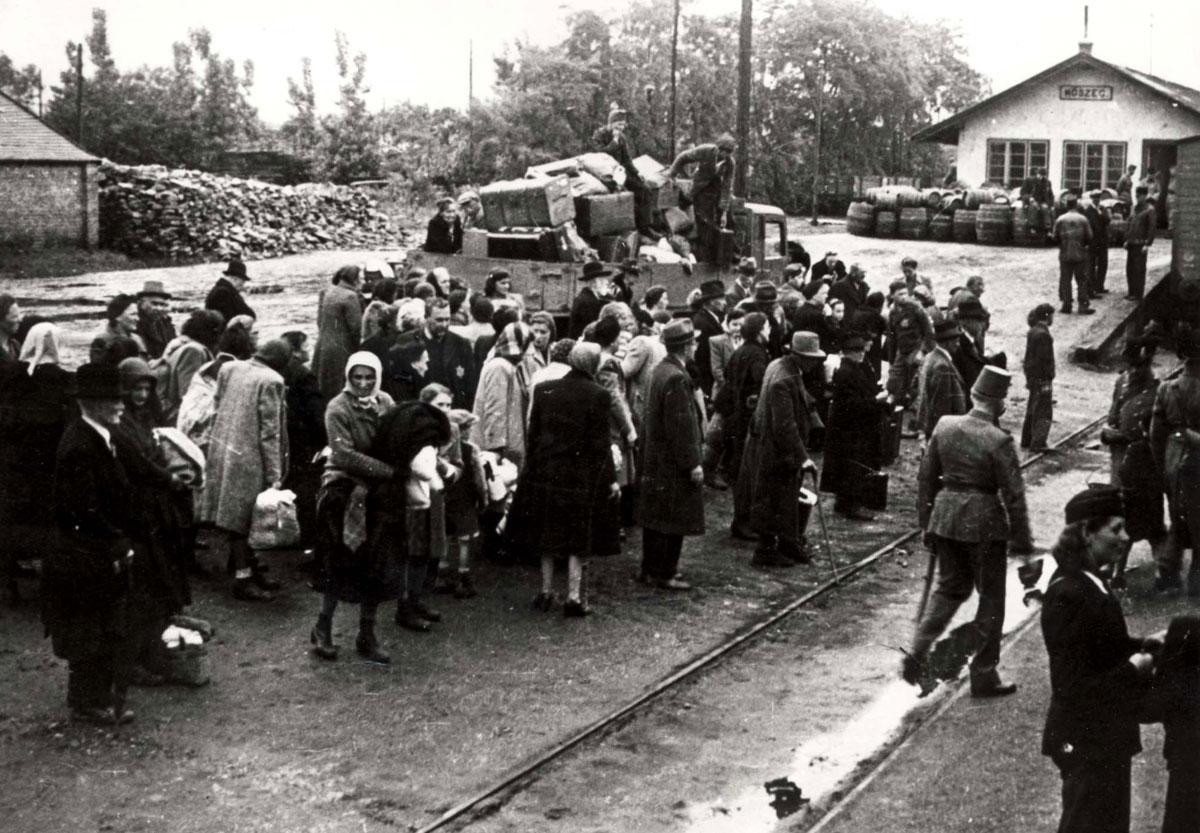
<point x="500" y="274"/>
<point x="678" y="333"/>
<point x="897" y="285"/>
<point x="999" y="360"/>
<point x="793" y="269"/>
<point x="606" y="330"/>
<point x="908" y="261"/>
<point x="748" y="266"/>
<point x="1101" y="501"/>
<point x="118" y="305"/>
<point x="853" y="343"/>
<point x="275" y="354"/>
<point x="946" y="330"/>
<point x="133" y="370"/>
<point x="753" y="324"/>
<point x="154" y="288"/>
<point x="765" y="292"/>
<point x="97" y="381"/>
<point x="970" y="309"/>
<point x="631" y="267"/>
<point x="236" y="269"/>
<point x="711" y="289"/>
<point x="810" y="289"/>
<point x="1142" y="189"/>
<point x="1071" y="199"/>
<point x="992" y="382"/>
<point x="594" y="269"/>
<point x="807" y="344"/>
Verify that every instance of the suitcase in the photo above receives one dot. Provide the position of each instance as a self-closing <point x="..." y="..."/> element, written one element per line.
<point x="726" y="247"/>
<point x="531" y="244"/>
<point x="607" y="214"/>
<point x="664" y="192"/>
<point x="889" y="435"/>
<point x="871" y="490"/>
<point x="475" y="242"/>
<point x="569" y="167"/>
<point x="527" y="202"/>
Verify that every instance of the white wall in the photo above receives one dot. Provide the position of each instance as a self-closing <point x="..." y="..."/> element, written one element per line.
<point x="1134" y="114"/>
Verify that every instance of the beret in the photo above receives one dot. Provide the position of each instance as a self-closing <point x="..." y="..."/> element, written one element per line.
<point x="1094" y="502"/>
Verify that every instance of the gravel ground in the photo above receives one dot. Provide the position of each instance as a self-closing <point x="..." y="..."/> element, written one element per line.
<point x="280" y="741"/>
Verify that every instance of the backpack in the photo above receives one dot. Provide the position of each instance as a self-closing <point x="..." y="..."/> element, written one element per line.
<point x="198" y="410"/>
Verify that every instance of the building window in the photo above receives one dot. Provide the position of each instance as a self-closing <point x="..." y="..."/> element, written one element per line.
<point x="1011" y="160"/>
<point x="1091" y="165"/>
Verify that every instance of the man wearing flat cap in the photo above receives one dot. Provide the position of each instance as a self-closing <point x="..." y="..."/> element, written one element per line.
<point x="971" y="504"/>
<point x="712" y="189"/>
<point x="226" y="295"/>
<point x="743" y="281"/>
<point x="154" y="318"/>
<point x="1139" y="237"/>
<point x="1099" y="674"/>
<point x="671" y="499"/>
<point x="776" y="457"/>
<point x="940" y="389"/>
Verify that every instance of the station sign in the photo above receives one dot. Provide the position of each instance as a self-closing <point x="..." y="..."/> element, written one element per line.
<point x="1085" y="92"/>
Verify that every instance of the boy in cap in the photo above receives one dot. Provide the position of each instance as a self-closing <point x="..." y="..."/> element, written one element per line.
<point x="154" y="318"/>
<point x="971" y="504"/>
<point x="1039" y="379"/>
<point x="471" y="210"/>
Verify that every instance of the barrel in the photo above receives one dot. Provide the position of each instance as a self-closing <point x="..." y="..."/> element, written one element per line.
<point x="1116" y="231"/>
<point x="964" y="225"/>
<point x="885" y="224"/>
<point x="914" y="223"/>
<point x="977" y="197"/>
<point x="910" y="198"/>
<point x="1024" y="225"/>
<point x="889" y="197"/>
<point x="934" y="198"/>
<point x="993" y="224"/>
<point x="941" y="226"/>
<point x="860" y="219"/>
<point x="952" y="201"/>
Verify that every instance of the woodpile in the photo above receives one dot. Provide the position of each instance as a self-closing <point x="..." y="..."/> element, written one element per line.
<point x="153" y="210"/>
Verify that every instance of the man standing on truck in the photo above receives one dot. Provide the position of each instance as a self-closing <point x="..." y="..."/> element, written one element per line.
<point x="712" y="189"/>
<point x="613" y="139"/>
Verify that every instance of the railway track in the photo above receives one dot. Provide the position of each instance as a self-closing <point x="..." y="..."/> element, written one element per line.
<point x="512" y="783"/>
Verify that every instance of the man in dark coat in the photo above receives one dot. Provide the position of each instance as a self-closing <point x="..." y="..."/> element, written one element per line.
<point x="588" y="301"/>
<point x="1139" y="236"/>
<point x="1098" y="218"/>
<point x="971" y="504"/>
<point x="444" y="234"/>
<point x="743" y="282"/>
<point x="829" y="269"/>
<point x="451" y="358"/>
<point x="1175" y="443"/>
<point x="306" y="435"/>
<point x="1039" y="379"/>
<point x="1036" y="191"/>
<point x="672" y="495"/>
<point x="226" y="295"/>
<point x="851" y="290"/>
<point x="707" y="323"/>
<point x="712" y="189"/>
<point x="1098" y="673"/>
<point x="776" y="456"/>
<point x="86" y="579"/>
<point x="853" y="442"/>
<point x="154" y="318"/>
<point x="941" y="391"/>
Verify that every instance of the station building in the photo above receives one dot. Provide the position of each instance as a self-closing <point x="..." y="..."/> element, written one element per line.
<point x="1083" y="120"/>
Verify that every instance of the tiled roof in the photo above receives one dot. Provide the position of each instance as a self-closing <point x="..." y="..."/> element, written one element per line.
<point x="1186" y="96"/>
<point x="24" y="138"/>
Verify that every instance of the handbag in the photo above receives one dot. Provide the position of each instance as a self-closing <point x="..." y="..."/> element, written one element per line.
<point x="274" y="523"/>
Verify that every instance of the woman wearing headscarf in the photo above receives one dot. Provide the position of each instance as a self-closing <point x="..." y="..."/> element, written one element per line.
<point x="159" y="586"/>
<point x="345" y="571"/>
<point x="499" y="399"/>
<point x="34" y="410"/>
<point x="1098" y="673"/>
<point x="247" y="453"/>
<point x="566" y="505"/>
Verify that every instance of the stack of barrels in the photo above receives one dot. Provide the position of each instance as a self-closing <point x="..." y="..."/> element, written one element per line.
<point x="976" y="215"/>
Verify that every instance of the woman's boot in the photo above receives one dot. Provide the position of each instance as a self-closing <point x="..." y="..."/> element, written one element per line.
<point x="322" y="638"/>
<point x="368" y="646"/>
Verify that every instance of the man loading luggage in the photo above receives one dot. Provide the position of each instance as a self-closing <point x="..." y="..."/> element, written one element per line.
<point x="712" y="189"/>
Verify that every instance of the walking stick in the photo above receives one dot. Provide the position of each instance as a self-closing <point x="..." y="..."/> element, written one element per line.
<point x="930" y="571"/>
<point x="825" y="530"/>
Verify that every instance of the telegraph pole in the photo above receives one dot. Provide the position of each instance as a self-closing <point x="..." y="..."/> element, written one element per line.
<point x="471" y="101"/>
<point x="816" y="186"/>
<point x="743" y="102"/>
<point x="79" y="96"/>
<point x="674" y="74"/>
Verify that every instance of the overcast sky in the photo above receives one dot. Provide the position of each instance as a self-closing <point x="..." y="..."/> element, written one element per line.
<point x="417" y="49"/>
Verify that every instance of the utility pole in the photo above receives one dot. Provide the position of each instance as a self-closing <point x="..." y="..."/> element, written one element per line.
<point x="471" y="101"/>
<point x="41" y="87"/>
<point x="816" y="186"/>
<point x="743" y="101"/>
<point x="674" y="74"/>
<point x="79" y="96"/>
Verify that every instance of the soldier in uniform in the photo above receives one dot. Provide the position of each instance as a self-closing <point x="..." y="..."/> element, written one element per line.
<point x="1175" y="442"/>
<point x="1139" y="236"/>
<point x="971" y="504"/>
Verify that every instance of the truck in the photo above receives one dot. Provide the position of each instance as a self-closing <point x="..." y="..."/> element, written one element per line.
<point x="760" y="231"/>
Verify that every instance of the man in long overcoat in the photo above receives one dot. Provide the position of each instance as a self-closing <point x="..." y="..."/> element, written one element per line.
<point x="941" y="390"/>
<point x="86" y="578"/>
<point x="853" y="445"/>
<point x="776" y="455"/>
<point x="737" y="401"/>
<point x="226" y="295"/>
<point x="339" y="330"/>
<point x="971" y="504"/>
<point x="247" y="453"/>
<point x="672" y="497"/>
<point x="587" y="304"/>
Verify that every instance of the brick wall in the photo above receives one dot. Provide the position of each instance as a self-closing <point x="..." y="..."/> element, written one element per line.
<point x="49" y="204"/>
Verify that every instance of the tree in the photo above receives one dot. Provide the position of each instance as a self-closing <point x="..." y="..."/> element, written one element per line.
<point x="302" y="128"/>
<point x="24" y="84"/>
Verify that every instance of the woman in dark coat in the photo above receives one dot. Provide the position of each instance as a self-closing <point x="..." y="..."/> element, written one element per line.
<point x="743" y="381"/>
<point x="407" y="364"/>
<point x="344" y="574"/>
<point x="852" y="439"/>
<point x="566" y="504"/>
<point x="444" y="235"/>
<point x="306" y="435"/>
<point x="1141" y="482"/>
<point x="159" y="586"/>
<point x="1098" y="673"/>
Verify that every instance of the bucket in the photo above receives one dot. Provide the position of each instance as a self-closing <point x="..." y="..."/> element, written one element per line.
<point x="807" y="502"/>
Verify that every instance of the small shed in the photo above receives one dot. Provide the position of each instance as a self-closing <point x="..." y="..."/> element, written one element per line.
<point x="49" y="192"/>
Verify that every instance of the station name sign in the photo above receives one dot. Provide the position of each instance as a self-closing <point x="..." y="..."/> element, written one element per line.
<point x="1085" y="92"/>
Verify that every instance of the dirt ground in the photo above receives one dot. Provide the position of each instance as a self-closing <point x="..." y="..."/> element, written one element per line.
<point x="281" y="741"/>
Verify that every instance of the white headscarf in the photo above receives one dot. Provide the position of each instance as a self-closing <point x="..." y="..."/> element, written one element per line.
<point x="41" y="345"/>
<point x="364" y="358"/>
